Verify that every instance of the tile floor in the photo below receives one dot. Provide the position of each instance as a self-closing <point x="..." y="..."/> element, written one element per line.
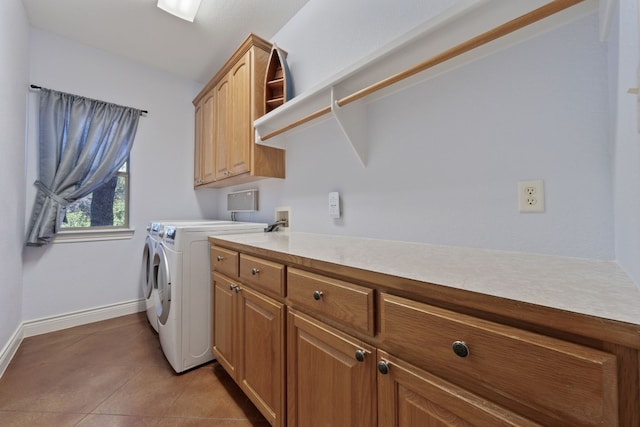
<point x="113" y="373"/>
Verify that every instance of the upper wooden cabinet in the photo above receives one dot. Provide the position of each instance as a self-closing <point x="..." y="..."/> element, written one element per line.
<point x="225" y="149"/>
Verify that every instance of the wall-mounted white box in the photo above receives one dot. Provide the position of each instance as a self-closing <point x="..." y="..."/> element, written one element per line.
<point x="243" y="201"/>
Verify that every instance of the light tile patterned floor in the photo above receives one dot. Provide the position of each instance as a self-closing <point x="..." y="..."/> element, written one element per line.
<point x="113" y="373"/>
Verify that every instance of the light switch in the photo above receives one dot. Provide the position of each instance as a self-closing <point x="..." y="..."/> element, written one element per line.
<point x="334" y="204"/>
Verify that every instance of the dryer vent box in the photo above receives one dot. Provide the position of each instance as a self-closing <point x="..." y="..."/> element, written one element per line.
<point x="242" y="201"/>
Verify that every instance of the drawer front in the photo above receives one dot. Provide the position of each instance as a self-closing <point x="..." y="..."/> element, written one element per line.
<point x="568" y="382"/>
<point x="262" y="274"/>
<point x="224" y="261"/>
<point x="344" y="302"/>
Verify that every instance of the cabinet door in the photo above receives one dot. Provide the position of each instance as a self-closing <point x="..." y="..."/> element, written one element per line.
<point x="225" y="341"/>
<point x="197" y="152"/>
<point x="239" y="151"/>
<point x="207" y="155"/>
<point x="261" y="372"/>
<point x="409" y="397"/>
<point x="222" y="128"/>
<point x="327" y="384"/>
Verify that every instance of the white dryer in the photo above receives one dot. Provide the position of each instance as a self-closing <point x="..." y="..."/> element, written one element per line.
<point x="183" y="299"/>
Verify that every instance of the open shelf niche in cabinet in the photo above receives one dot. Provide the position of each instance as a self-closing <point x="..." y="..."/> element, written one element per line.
<point x="467" y="31"/>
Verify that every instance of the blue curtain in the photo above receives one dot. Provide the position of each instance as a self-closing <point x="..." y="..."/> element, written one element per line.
<point x="82" y="143"/>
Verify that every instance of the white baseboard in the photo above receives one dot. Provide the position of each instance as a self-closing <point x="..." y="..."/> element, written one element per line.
<point x="69" y="320"/>
<point x="64" y="321"/>
<point x="10" y="349"/>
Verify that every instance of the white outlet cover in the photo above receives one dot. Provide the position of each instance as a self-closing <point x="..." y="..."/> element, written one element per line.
<point x="278" y="213"/>
<point x="531" y="196"/>
<point x="334" y="204"/>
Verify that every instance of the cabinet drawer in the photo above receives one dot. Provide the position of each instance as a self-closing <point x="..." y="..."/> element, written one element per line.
<point x="224" y="261"/>
<point x="344" y="302"/>
<point x="569" y="383"/>
<point x="262" y="274"/>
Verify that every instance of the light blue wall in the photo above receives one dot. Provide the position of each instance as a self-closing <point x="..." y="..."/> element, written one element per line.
<point x="625" y="47"/>
<point x="68" y="277"/>
<point x="445" y="156"/>
<point x="14" y="75"/>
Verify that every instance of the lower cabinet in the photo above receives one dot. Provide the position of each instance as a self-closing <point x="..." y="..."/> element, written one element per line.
<point x="248" y="341"/>
<point x="317" y="350"/>
<point x="409" y="397"/>
<point x="331" y="376"/>
<point x="366" y="387"/>
<point x="547" y="379"/>
<point x="225" y="342"/>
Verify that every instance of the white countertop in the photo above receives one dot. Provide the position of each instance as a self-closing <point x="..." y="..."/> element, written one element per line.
<point x="592" y="287"/>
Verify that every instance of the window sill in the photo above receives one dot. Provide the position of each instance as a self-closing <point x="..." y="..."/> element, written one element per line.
<point x="93" y="235"/>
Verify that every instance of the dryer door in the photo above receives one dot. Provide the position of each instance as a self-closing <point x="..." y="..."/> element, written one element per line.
<point x="163" y="282"/>
<point x="146" y="278"/>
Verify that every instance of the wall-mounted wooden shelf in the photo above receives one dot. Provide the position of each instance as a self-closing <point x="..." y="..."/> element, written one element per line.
<point x="467" y="31"/>
<point x="278" y="85"/>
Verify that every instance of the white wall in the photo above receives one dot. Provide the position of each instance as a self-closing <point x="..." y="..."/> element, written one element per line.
<point x="625" y="45"/>
<point x="14" y="57"/>
<point x="325" y="36"/>
<point x="67" y="277"/>
<point x="444" y="157"/>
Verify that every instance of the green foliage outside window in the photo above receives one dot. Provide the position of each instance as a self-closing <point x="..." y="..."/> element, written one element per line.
<point x="109" y="210"/>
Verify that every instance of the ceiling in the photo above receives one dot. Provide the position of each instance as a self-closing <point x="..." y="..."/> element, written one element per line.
<point x="138" y="30"/>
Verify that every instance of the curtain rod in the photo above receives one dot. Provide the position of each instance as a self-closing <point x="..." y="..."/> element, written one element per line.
<point x="142" y="112"/>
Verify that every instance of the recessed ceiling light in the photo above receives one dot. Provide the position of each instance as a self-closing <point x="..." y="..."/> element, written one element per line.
<point x="185" y="9"/>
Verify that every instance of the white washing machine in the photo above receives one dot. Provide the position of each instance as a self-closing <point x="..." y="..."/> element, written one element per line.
<point x="183" y="299"/>
<point x="149" y="268"/>
<point x="147" y="281"/>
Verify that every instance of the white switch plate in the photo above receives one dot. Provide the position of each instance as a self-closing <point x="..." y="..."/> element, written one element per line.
<point x="531" y="196"/>
<point x="334" y="204"/>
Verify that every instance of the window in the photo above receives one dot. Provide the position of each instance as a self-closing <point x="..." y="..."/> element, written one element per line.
<point x="106" y="208"/>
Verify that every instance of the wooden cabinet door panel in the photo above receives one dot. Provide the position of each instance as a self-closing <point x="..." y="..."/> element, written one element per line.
<point x="327" y="385"/>
<point x="197" y="154"/>
<point x="222" y="128"/>
<point x="262" y="370"/>
<point x="410" y="397"/>
<point x="238" y="151"/>
<point x="207" y="153"/>
<point x="225" y="342"/>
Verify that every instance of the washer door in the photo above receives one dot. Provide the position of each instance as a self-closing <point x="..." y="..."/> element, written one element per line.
<point x="146" y="279"/>
<point x="162" y="279"/>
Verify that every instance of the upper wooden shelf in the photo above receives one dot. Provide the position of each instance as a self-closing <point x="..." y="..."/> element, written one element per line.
<point x="465" y="32"/>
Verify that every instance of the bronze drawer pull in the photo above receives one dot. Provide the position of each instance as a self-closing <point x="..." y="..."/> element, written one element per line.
<point x="254" y="271"/>
<point x="460" y="348"/>
<point x="219" y="257"/>
<point x="317" y="295"/>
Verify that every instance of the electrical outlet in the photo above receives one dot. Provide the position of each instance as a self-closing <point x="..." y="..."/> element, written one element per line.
<point x="531" y="196"/>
